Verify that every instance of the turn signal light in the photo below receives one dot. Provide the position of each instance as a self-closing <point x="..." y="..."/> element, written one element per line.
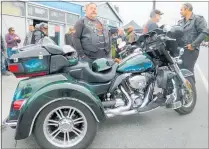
<point x="117" y="60"/>
<point x="17" y="105"/>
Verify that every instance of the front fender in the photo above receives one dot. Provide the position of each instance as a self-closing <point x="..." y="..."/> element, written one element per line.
<point x="53" y="93"/>
<point x="186" y="73"/>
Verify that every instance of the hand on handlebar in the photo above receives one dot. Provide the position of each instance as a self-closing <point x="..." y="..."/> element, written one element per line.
<point x="189" y="47"/>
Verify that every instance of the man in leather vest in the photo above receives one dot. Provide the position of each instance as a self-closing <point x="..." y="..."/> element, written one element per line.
<point x="195" y="31"/>
<point x="91" y="37"/>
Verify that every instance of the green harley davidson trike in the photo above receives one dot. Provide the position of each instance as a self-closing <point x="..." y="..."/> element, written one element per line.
<point x="63" y="99"/>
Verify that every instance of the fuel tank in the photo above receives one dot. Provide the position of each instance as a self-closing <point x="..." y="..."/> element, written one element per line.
<point x="136" y="63"/>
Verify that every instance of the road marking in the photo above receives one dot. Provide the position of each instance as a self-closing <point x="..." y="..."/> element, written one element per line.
<point x="204" y="80"/>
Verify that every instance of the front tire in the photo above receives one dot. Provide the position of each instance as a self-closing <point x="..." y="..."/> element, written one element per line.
<point x="65" y="124"/>
<point x="187" y="108"/>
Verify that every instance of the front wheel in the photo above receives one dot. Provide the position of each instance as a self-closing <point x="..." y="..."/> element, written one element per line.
<point x="65" y="124"/>
<point x="188" y="105"/>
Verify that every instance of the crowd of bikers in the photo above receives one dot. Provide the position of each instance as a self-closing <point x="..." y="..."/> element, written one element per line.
<point x="92" y="39"/>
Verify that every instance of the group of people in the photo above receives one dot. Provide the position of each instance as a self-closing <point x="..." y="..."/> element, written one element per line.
<point x="12" y="40"/>
<point x="92" y="39"/>
<point x="195" y="31"/>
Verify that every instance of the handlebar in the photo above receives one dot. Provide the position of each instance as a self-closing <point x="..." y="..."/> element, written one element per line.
<point x="163" y="38"/>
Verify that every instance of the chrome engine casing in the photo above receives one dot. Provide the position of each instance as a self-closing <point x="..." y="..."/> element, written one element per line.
<point x="138" y="82"/>
<point x="137" y="85"/>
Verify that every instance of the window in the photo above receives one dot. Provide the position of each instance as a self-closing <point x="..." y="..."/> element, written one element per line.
<point x="72" y="18"/>
<point x="36" y="11"/>
<point x="56" y="15"/>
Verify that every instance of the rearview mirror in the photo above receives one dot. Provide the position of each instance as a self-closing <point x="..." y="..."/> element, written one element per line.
<point x="181" y="51"/>
<point x="166" y="28"/>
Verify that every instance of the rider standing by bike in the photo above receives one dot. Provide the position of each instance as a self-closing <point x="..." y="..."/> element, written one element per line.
<point x="92" y="38"/>
<point x="195" y="31"/>
<point x="155" y="16"/>
<point x="40" y="32"/>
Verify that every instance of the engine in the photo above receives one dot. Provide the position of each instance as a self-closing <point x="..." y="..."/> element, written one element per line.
<point x="137" y="86"/>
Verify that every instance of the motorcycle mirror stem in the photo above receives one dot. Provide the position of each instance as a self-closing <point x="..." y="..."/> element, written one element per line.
<point x="181" y="52"/>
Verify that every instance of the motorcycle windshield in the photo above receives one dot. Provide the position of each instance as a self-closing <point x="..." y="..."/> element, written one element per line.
<point x="46" y="41"/>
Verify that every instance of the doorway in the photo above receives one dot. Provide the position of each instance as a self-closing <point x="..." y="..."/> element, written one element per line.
<point x="38" y="22"/>
<point x="56" y="33"/>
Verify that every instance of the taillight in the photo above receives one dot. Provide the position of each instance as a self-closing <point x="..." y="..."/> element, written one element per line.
<point x="13" y="68"/>
<point x="17" y="105"/>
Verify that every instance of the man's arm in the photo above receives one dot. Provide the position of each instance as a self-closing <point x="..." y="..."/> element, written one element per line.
<point x="77" y="37"/>
<point x="201" y="27"/>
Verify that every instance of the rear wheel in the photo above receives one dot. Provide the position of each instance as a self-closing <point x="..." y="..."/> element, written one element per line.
<point x="65" y="124"/>
<point x="190" y="102"/>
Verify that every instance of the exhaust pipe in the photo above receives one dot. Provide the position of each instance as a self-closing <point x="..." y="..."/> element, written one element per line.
<point x="147" y="97"/>
<point x="125" y="110"/>
<point x="125" y="113"/>
<point x="108" y="104"/>
<point x="119" y="110"/>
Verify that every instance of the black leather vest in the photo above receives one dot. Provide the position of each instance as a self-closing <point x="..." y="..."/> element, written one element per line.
<point x="91" y="41"/>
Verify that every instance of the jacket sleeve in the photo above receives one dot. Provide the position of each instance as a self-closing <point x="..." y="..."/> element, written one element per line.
<point x="9" y="40"/>
<point x="201" y="27"/>
<point x="77" y="37"/>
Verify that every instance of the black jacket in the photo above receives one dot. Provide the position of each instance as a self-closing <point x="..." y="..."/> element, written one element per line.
<point x="90" y="41"/>
<point x="195" y="30"/>
<point x="69" y="39"/>
<point x="37" y="36"/>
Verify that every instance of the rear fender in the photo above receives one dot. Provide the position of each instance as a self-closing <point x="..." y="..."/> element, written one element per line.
<point x="28" y="87"/>
<point x="67" y="90"/>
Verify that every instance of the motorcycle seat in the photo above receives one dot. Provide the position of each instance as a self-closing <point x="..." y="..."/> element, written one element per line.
<point x="83" y="71"/>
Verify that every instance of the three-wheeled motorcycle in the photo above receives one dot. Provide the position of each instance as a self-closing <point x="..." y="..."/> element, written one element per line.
<point x="63" y="99"/>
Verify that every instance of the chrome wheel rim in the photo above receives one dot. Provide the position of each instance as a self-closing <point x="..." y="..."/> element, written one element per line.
<point x="186" y="94"/>
<point x="65" y="126"/>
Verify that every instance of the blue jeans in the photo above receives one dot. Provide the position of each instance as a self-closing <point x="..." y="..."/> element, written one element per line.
<point x="10" y="52"/>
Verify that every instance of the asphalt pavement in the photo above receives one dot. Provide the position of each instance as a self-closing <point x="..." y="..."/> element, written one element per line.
<point x="162" y="128"/>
